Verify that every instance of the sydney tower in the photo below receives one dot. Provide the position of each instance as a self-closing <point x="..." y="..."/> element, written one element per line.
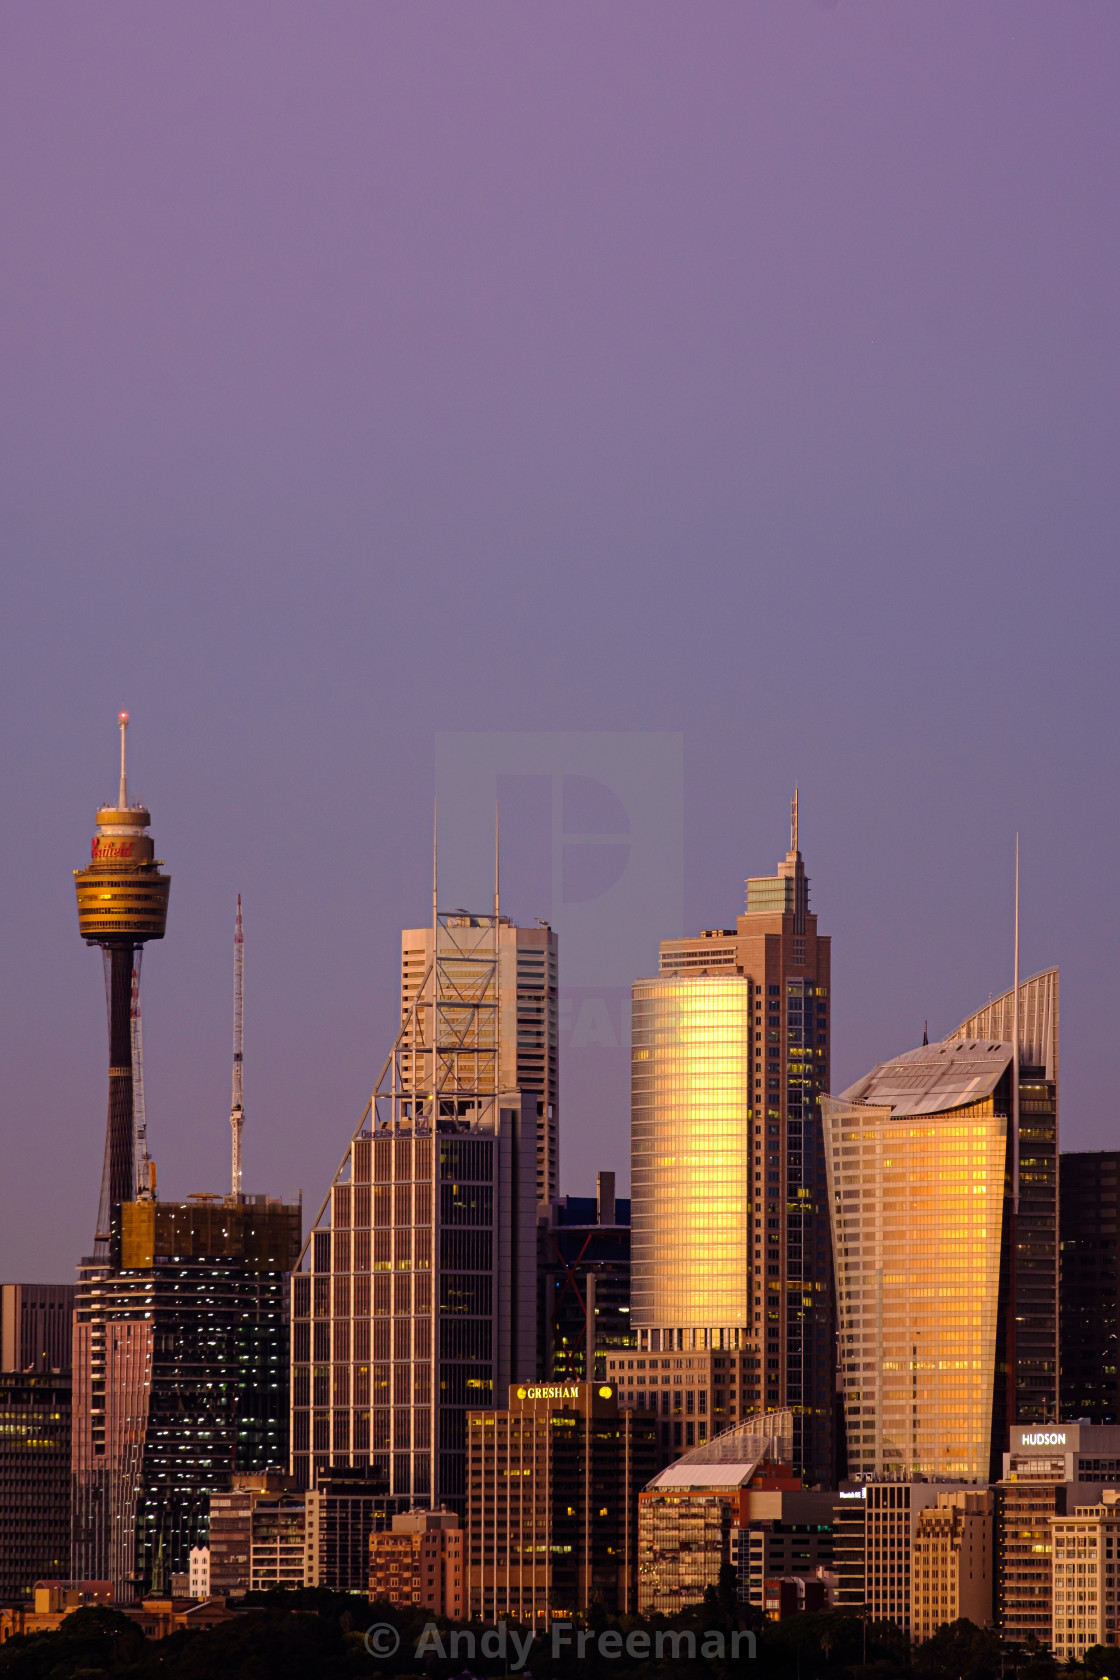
<point x="122" y="902"/>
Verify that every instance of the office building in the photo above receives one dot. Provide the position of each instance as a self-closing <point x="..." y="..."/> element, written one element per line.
<point x="1047" y="1472"/>
<point x="945" y="1279"/>
<point x="952" y="1564"/>
<point x="583" y="1271"/>
<point x="35" y="1399"/>
<point x="265" y="1532"/>
<point x="552" y="1520"/>
<point x="787" y="1536"/>
<point x="256" y="1537"/>
<point x="1088" y="1313"/>
<point x="529" y="1053"/>
<point x="892" y="1512"/>
<point x="36" y="1327"/>
<point x="344" y="1508"/>
<point x="687" y="1511"/>
<point x="419" y="1561"/>
<point x="730" y="1048"/>
<point x="849" y="1545"/>
<point x="1086" y="1546"/>
<point x="417" y="1297"/>
<point x="35" y="1447"/>
<point x="180" y="1358"/>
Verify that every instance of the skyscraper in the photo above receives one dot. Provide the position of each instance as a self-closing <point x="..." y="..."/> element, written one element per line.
<point x="945" y="1234"/>
<point x="730" y="1228"/>
<point x="181" y="1363"/>
<point x="1089" y="1316"/>
<point x="417" y="1293"/>
<point x="584" y="1276"/>
<point x="527" y="995"/>
<point x="35" y="1394"/>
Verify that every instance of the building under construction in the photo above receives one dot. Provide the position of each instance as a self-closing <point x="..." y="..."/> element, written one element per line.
<point x="180" y="1377"/>
<point x="416" y="1294"/>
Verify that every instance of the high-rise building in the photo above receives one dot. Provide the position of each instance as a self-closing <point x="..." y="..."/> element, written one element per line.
<point x="849" y="1545"/>
<point x="417" y="1297"/>
<point x="122" y="903"/>
<point x="1048" y="1472"/>
<point x="952" y="1567"/>
<point x="35" y="1398"/>
<point x="419" y="1561"/>
<point x="583" y="1260"/>
<point x="892" y="1513"/>
<point x="552" y="1519"/>
<point x="730" y="1048"/>
<point x="529" y="1054"/>
<point x="687" y="1511"/>
<point x="1089" y="1321"/>
<point x="945" y="1236"/>
<point x="181" y="1360"/>
<point x="256" y="1534"/>
<point x="787" y="1534"/>
<point x="1086" y="1609"/>
<point x="36" y="1327"/>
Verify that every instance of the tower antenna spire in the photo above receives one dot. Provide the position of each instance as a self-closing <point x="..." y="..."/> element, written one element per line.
<point x="122" y="798"/>
<point x="237" y="1107"/>
<point x="794" y="824"/>
<point x="497" y="857"/>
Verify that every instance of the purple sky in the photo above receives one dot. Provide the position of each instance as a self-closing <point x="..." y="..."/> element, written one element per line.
<point x="366" y="371"/>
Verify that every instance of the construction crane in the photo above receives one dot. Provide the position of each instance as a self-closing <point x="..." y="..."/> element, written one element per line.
<point x="237" y="1108"/>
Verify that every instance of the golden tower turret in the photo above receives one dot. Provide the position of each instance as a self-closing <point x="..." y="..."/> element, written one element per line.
<point x="122" y="903"/>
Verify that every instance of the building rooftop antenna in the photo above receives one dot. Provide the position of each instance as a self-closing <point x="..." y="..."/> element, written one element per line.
<point x="122" y="801"/>
<point x="237" y="1107"/>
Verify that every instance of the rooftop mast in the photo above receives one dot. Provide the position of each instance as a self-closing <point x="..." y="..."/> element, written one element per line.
<point x="237" y="1107"/>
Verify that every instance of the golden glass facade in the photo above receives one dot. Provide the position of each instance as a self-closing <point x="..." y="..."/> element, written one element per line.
<point x="917" y="1208"/>
<point x="690" y="1145"/>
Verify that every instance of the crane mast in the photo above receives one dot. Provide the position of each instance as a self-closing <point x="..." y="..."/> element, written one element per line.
<point x="237" y="1108"/>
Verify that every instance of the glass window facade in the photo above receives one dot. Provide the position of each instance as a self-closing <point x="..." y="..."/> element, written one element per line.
<point x="690" y="1144"/>
<point x="917" y="1207"/>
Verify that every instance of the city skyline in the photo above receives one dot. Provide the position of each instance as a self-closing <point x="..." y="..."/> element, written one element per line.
<point x="554" y="983"/>
<point x="732" y="410"/>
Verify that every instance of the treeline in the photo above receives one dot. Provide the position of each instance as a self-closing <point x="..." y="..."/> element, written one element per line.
<point x="313" y="1634"/>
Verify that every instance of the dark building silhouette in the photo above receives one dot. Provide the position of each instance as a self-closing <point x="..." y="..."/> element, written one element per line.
<point x="1088" y="1285"/>
<point x="583" y="1272"/>
<point x="35" y="1394"/>
<point x="181" y="1363"/>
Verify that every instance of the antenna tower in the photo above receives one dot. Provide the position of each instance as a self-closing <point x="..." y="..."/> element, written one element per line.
<point x="122" y="903"/>
<point x="237" y="1107"/>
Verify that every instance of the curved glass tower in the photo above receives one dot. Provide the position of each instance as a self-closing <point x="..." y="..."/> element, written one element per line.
<point x="690" y="1136"/>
